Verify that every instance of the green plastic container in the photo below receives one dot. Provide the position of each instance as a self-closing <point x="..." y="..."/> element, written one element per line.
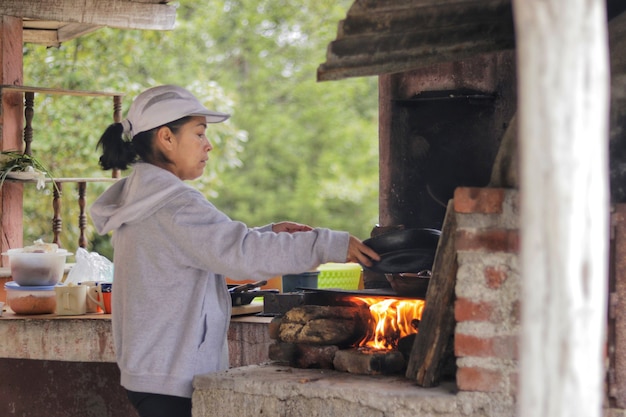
<point x="337" y="275"/>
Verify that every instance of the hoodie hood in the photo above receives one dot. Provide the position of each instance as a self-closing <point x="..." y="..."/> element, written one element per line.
<point x="143" y="192"/>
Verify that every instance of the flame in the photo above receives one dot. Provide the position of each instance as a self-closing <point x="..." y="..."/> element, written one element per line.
<point x="393" y="318"/>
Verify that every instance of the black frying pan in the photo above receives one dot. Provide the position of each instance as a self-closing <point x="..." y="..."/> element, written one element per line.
<point x="409" y="250"/>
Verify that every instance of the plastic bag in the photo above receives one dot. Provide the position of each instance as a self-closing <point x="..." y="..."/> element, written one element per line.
<point x="90" y="267"/>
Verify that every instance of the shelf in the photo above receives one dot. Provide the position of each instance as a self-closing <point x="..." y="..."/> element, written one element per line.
<point x="63" y="180"/>
<point x="59" y="91"/>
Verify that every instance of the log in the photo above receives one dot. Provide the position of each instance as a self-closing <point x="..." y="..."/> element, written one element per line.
<point x="303" y="356"/>
<point x="282" y="353"/>
<point x="324" y="325"/>
<point x="437" y="323"/>
<point x="315" y="356"/>
<point x="369" y="362"/>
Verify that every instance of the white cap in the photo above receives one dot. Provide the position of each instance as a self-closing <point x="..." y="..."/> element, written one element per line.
<point x="160" y="105"/>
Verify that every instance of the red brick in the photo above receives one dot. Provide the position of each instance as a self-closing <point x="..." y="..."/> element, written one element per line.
<point x="488" y="240"/>
<point x="479" y="379"/>
<point x="501" y="347"/>
<point x="478" y="200"/>
<point x="467" y="345"/>
<point x="467" y="310"/>
<point x="495" y="276"/>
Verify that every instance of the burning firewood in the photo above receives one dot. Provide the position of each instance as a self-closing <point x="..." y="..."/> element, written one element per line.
<point x="324" y="325"/>
<point x="303" y="356"/>
<point x="369" y="362"/>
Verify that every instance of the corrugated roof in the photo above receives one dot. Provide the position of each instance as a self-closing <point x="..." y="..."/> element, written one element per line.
<point x="387" y="36"/>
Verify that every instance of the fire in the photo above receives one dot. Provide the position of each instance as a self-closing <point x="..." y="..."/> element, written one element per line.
<point x="394" y="319"/>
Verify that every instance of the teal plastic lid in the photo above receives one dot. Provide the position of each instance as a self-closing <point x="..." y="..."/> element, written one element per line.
<point x="12" y="285"/>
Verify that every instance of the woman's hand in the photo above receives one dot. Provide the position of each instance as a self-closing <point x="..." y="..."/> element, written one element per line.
<point x="361" y="253"/>
<point x="290" y="227"/>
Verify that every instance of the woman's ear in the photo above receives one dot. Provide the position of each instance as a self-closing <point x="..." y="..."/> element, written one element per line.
<point x="165" y="138"/>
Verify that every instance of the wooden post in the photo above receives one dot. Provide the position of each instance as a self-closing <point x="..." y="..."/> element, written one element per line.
<point x="117" y="118"/>
<point x="29" y="113"/>
<point x="11" y="119"/>
<point x="562" y="54"/>
<point x="57" y="221"/>
<point x="82" y="216"/>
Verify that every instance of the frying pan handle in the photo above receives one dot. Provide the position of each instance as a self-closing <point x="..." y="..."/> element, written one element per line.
<point x="246" y="287"/>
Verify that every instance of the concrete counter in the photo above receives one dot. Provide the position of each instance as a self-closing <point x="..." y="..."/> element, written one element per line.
<point x="84" y="338"/>
<point x="64" y="366"/>
<point x="88" y="338"/>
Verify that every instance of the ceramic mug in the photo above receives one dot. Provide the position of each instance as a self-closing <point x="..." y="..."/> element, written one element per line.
<point x="94" y="301"/>
<point x="71" y="300"/>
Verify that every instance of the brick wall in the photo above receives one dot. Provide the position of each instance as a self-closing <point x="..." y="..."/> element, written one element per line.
<point x="487" y="307"/>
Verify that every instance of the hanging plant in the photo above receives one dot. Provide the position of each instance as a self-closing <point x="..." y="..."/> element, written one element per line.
<point x="17" y="165"/>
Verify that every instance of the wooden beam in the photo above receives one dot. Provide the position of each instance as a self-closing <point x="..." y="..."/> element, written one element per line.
<point x="43" y="37"/>
<point x="11" y="120"/>
<point x="121" y="14"/>
<point x="74" y="30"/>
<point x="59" y="91"/>
<point x="54" y="37"/>
<point x="563" y="114"/>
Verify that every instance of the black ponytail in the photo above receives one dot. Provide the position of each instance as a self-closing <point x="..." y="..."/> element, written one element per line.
<point x="116" y="152"/>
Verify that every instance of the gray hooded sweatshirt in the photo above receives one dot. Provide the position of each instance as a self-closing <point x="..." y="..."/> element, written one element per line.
<point x="172" y="251"/>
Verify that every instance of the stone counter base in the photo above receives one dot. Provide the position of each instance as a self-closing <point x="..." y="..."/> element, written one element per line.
<point x="269" y="390"/>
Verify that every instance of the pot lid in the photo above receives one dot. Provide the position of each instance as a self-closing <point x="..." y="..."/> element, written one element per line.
<point x="407" y="250"/>
<point x="408" y="260"/>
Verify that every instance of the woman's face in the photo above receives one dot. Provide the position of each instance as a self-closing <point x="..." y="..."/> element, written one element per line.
<point x="189" y="149"/>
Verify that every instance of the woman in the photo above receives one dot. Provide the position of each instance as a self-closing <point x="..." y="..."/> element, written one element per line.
<point x="173" y="248"/>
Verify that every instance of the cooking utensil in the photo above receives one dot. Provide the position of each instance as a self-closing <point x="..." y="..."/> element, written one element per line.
<point x="292" y="282"/>
<point x="245" y="297"/>
<point x="241" y="294"/>
<point x="406" y="239"/>
<point x="404" y="261"/>
<point x="408" y="250"/>
<point x="246" y="287"/>
<point x="410" y="284"/>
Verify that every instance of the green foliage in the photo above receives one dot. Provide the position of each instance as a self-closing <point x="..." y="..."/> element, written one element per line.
<point x="294" y="148"/>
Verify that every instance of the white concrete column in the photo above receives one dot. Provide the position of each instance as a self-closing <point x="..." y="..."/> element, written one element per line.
<point x="562" y="52"/>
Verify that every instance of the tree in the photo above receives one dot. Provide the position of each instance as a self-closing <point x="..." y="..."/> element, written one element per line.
<point x="293" y="149"/>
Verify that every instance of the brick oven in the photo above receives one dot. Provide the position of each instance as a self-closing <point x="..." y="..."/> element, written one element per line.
<point x="440" y="131"/>
<point x="469" y="331"/>
<point x="480" y="321"/>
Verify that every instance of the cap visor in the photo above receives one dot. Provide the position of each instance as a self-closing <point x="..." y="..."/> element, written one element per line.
<point x="213" y="116"/>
